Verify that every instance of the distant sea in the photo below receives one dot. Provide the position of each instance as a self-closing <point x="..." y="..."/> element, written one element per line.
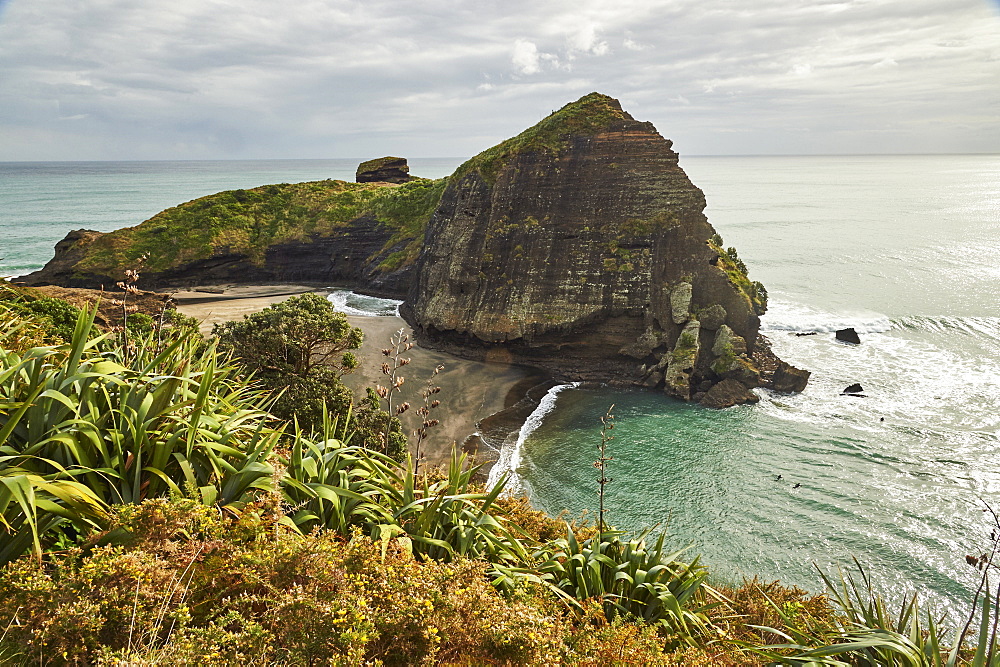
<point x="906" y="249"/>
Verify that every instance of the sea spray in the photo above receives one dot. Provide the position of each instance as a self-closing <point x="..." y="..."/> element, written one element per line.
<point x="510" y="452"/>
<point x="802" y="318"/>
<point x="352" y="303"/>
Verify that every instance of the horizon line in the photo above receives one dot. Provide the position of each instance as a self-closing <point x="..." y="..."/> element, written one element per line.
<point x="455" y="157"/>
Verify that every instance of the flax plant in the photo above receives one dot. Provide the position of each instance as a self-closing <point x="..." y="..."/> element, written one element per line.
<point x="85" y="425"/>
<point x="399" y="343"/>
<point x="424" y="412"/>
<point x="631" y="578"/>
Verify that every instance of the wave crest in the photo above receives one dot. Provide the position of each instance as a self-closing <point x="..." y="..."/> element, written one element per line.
<point x="361" y="305"/>
<point x="510" y="452"/>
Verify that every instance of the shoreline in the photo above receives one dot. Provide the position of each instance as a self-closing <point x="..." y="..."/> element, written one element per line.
<point x="482" y="402"/>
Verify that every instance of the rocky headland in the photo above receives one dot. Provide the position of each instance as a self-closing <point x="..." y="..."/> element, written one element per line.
<point x="582" y="247"/>
<point x="364" y="234"/>
<point x="578" y="246"/>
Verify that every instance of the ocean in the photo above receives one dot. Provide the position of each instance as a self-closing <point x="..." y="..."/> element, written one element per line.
<point x="903" y="248"/>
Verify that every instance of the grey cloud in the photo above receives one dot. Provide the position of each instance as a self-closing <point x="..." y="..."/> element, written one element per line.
<point x="215" y="78"/>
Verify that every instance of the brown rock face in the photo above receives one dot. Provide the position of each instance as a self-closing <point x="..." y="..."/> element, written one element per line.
<point x="728" y="393"/>
<point x="581" y="246"/>
<point x="384" y="170"/>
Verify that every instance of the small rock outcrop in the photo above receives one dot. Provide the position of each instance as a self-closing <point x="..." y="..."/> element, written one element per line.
<point x="848" y="335"/>
<point x="581" y="246"/>
<point x="853" y="389"/>
<point x="788" y="379"/>
<point x="728" y="393"/>
<point x="384" y="170"/>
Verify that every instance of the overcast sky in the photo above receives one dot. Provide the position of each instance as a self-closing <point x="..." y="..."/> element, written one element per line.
<point x="196" y="79"/>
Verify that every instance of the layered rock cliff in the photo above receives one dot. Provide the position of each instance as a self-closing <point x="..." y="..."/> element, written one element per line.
<point x="580" y="245"/>
<point x="384" y="170"/>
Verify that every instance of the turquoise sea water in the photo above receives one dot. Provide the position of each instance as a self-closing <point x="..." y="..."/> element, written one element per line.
<point x="904" y="248"/>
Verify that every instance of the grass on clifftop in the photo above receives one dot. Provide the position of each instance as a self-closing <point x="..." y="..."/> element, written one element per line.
<point x="587" y="116"/>
<point x="250" y="221"/>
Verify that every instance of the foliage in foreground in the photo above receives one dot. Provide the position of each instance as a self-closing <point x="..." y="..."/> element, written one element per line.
<point x="159" y="477"/>
<point x="197" y="587"/>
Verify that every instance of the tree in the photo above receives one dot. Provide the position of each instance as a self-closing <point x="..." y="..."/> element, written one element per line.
<point x="295" y="337"/>
<point x="302" y="347"/>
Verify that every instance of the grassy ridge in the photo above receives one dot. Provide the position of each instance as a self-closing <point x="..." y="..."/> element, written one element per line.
<point x="251" y="221"/>
<point x="587" y="116"/>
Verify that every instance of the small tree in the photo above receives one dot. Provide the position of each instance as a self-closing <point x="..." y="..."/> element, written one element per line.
<point x="295" y="337"/>
<point x="301" y="346"/>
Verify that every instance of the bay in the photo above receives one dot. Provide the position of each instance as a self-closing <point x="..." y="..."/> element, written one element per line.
<point x="903" y="248"/>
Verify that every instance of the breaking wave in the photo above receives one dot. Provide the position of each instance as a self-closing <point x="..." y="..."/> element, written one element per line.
<point x="800" y="318"/>
<point x="510" y="452"/>
<point x="361" y="305"/>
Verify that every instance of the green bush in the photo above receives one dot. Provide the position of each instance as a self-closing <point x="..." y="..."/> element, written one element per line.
<point x="302" y="347"/>
<point x="139" y="323"/>
<point x="83" y="427"/>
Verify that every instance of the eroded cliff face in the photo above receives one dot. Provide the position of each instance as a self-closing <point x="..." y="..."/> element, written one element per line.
<point x="582" y="246"/>
<point x="579" y="246"/>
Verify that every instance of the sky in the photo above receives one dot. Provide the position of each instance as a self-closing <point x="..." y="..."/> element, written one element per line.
<point x="257" y="79"/>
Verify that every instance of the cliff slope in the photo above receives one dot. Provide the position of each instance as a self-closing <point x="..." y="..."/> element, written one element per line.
<point x="360" y="233"/>
<point x="580" y="245"/>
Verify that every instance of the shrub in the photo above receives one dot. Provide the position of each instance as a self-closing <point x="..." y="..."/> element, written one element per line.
<point x="302" y="347"/>
<point x="82" y="427"/>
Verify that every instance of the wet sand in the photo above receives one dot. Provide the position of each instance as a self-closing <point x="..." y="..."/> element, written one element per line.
<point x="470" y="390"/>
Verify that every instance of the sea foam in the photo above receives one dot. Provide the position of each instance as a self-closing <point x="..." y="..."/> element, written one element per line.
<point x="361" y="305"/>
<point x="510" y="452"/>
<point x="801" y="318"/>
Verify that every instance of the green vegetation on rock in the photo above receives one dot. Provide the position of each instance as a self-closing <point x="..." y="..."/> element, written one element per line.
<point x="730" y="262"/>
<point x="588" y="116"/>
<point x="250" y="221"/>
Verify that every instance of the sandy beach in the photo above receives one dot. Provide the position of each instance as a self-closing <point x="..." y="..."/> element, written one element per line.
<point x="470" y="390"/>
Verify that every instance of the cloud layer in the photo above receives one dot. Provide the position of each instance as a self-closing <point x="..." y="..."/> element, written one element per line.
<point x="191" y="79"/>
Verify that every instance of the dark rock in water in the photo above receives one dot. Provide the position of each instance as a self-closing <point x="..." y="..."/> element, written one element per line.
<point x="854" y="389"/>
<point x="788" y="379"/>
<point x="384" y="170"/>
<point x="806" y="333"/>
<point x="581" y="246"/>
<point x="727" y="394"/>
<point x="848" y="335"/>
